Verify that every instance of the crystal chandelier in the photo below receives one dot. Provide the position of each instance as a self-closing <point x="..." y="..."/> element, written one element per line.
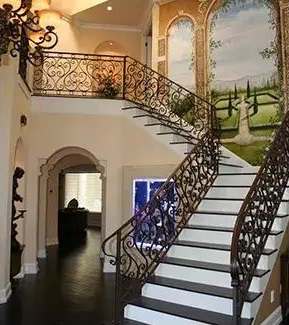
<point x="29" y="24"/>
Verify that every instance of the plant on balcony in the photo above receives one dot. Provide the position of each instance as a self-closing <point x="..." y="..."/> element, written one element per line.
<point x="108" y="85"/>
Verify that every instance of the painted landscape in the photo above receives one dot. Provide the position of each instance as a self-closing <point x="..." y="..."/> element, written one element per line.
<point x="244" y="77"/>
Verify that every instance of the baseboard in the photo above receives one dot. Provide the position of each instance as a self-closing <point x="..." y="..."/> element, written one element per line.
<point x="52" y="242"/>
<point x="41" y="253"/>
<point x="31" y="268"/>
<point x="275" y="318"/>
<point x="21" y="274"/>
<point x="5" y="294"/>
<point x="108" y="268"/>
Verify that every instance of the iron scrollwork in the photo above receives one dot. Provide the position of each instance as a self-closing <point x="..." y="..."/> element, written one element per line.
<point x="83" y="75"/>
<point x="139" y="245"/>
<point x="257" y="215"/>
<point x="79" y="75"/>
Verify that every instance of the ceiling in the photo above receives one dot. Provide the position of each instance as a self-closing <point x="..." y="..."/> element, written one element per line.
<point x="125" y="13"/>
<point x="72" y="7"/>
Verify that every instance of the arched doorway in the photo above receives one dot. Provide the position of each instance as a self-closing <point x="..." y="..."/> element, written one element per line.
<point x="181" y="52"/>
<point x="62" y="159"/>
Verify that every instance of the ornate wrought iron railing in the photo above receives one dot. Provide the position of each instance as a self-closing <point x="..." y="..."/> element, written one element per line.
<point x="121" y="77"/>
<point x="257" y="215"/>
<point x="139" y="245"/>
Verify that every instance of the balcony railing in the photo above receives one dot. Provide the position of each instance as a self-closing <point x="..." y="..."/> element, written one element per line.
<point x="137" y="247"/>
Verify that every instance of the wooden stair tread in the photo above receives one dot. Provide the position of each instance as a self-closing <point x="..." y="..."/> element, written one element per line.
<point x="224" y="229"/>
<point x="227" y="213"/>
<point x="221" y="247"/>
<point x="205" y="265"/>
<point x="182" y="311"/>
<point x="132" y="322"/>
<point x="230" y="165"/>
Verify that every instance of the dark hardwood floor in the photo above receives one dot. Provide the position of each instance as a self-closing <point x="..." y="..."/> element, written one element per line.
<point x="70" y="289"/>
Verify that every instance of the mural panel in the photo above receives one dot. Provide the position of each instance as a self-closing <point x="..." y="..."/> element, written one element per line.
<point x="181" y="53"/>
<point x="245" y="75"/>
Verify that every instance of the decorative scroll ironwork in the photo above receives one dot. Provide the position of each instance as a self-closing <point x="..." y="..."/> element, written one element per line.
<point x="12" y="23"/>
<point x="79" y="75"/>
<point x="138" y="246"/>
<point x="257" y="215"/>
<point x="23" y="55"/>
<point x="83" y="75"/>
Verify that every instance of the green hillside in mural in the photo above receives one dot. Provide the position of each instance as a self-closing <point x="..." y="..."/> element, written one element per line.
<point x="244" y="78"/>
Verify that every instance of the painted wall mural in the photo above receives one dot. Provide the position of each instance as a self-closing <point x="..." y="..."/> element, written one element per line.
<point x="245" y="75"/>
<point x="181" y="53"/>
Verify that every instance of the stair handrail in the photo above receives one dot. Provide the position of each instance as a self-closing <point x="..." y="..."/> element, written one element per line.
<point x="64" y="74"/>
<point x="257" y="214"/>
<point x="138" y="246"/>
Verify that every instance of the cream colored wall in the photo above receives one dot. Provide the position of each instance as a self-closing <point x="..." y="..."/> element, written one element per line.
<point x="78" y="39"/>
<point x="14" y="101"/>
<point x="114" y="140"/>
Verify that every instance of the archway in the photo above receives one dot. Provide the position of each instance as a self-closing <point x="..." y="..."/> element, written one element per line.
<point x="245" y="74"/>
<point x="110" y="47"/>
<point x="181" y="52"/>
<point x="48" y="192"/>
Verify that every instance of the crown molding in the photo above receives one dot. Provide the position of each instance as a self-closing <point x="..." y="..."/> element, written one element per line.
<point x="107" y="27"/>
<point x="162" y="2"/>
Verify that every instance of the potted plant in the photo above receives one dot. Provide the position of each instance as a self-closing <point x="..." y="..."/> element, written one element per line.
<point x="108" y="85"/>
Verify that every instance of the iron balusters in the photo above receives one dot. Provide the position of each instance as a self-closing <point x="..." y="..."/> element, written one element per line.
<point x="257" y="215"/>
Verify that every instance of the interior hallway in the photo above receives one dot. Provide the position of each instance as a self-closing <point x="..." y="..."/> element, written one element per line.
<point x="70" y="289"/>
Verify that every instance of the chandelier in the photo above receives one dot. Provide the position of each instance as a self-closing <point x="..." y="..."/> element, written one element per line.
<point x="27" y="26"/>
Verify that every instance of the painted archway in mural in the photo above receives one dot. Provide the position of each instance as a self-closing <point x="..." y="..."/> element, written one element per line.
<point x="181" y="52"/>
<point x="245" y="74"/>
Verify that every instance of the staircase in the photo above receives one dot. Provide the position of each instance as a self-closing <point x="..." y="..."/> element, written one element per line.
<point x="201" y="250"/>
<point x="192" y="283"/>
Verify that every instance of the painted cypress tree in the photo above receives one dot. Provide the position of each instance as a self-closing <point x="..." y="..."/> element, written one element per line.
<point x="235" y="92"/>
<point x="248" y="89"/>
<point x="230" y="107"/>
<point x="255" y="104"/>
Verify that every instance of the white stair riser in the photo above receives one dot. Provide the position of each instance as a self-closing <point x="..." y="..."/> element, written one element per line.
<point x="220" y="205"/>
<point x="228" y="221"/>
<point x="213" y="256"/>
<point x="152" y="317"/>
<point x="201" y="219"/>
<point x="221" y="237"/>
<point x="194" y="299"/>
<point x="223" y="279"/>
<point x="188" y="298"/>
<point x="194" y="275"/>
<point x="206" y="236"/>
<point x="234" y="180"/>
<point x="228" y="192"/>
<point x="231" y="206"/>
<point x="230" y="169"/>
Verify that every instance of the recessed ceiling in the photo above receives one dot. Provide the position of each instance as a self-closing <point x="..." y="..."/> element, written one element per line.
<point x="130" y="13"/>
<point x="72" y="7"/>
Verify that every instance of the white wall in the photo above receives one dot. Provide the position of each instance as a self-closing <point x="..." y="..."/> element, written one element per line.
<point x="14" y="101"/>
<point x="113" y="139"/>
